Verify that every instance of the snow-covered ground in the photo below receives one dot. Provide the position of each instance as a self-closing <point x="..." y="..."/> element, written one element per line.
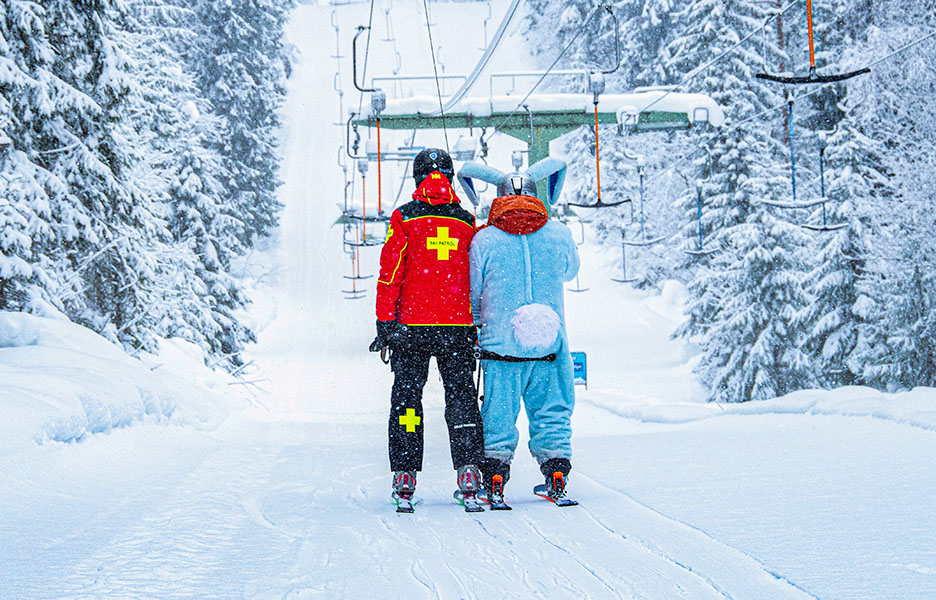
<point x="156" y="478"/>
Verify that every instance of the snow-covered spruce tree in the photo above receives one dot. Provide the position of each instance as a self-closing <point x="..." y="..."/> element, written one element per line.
<point x="648" y="29"/>
<point x="210" y="317"/>
<point x="239" y="61"/>
<point x="744" y="300"/>
<point x="900" y="268"/>
<point x="25" y="211"/>
<point x="832" y="321"/>
<point x="115" y="273"/>
<point x="901" y="357"/>
<point x="181" y="168"/>
<point x="856" y="181"/>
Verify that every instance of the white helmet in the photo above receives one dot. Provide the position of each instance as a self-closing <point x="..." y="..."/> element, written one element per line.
<point x="516" y="184"/>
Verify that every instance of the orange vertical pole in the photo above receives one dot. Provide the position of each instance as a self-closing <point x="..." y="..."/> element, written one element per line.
<point x="357" y="258"/>
<point x="809" y="28"/>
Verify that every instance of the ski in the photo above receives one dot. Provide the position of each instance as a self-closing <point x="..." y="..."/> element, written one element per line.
<point x="542" y="492"/>
<point x="494" y="504"/>
<point x="405" y="505"/>
<point x="470" y="503"/>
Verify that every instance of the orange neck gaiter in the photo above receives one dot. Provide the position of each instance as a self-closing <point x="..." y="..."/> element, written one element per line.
<point x="518" y="215"/>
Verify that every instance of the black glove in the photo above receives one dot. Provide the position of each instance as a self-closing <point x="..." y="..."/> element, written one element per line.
<point x="389" y="334"/>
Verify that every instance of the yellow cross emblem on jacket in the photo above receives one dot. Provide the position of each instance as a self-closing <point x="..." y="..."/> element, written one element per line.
<point x="442" y="243"/>
<point x="411" y="421"/>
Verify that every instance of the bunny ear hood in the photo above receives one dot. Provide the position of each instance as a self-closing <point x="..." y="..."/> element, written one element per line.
<point x="471" y="171"/>
<point x="553" y="170"/>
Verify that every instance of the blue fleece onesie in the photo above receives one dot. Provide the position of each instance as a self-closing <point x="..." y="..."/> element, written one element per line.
<point x="509" y="271"/>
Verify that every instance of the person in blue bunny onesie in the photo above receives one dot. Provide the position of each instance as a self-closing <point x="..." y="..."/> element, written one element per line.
<point x="519" y="262"/>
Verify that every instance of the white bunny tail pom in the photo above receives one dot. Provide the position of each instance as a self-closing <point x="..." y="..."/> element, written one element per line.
<point x="535" y="326"/>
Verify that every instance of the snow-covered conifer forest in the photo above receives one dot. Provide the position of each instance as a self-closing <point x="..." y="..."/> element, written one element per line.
<point x="138" y="161"/>
<point x="187" y="288"/>
<point x="778" y="307"/>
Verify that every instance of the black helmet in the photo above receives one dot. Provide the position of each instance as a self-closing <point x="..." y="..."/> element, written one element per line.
<point x="432" y="159"/>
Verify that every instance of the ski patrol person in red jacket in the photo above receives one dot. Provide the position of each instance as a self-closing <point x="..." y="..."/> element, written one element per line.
<point x="424" y="310"/>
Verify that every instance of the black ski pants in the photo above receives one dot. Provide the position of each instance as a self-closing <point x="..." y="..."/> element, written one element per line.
<point x="410" y="366"/>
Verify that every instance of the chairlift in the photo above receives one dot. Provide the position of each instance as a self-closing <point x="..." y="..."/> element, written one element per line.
<point x="643" y="241"/>
<point x="578" y="287"/>
<point x="637" y="243"/>
<point x="825" y="225"/>
<point x="390" y="37"/>
<point x="354" y="293"/>
<point x="624" y="243"/>
<point x="701" y="250"/>
<point x="336" y="84"/>
<point x="486" y="19"/>
<point x="363" y="218"/>
<point x="378" y="104"/>
<point x="596" y="85"/>
<point x="356" y="260"/>
<point x="812" y="76"/>
<point x="562" y="216"/>
<point x="643" y="233"/>
<point x="334" y="23"/>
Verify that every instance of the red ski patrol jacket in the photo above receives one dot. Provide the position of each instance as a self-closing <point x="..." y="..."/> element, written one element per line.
<point x="424" y="276"/>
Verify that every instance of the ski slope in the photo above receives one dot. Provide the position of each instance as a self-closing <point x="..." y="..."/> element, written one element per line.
<point x="281" y="489"/>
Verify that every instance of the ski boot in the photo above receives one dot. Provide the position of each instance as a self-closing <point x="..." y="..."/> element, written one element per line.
<point x="554" y="489"/>
<point x="404" y="484"/>
<point x="496" y="474"/>
<point x="469" y="482"/>
<point x="495" y="494"/>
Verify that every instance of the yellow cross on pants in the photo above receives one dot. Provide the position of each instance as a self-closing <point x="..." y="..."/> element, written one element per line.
<point x="410" y="420"/>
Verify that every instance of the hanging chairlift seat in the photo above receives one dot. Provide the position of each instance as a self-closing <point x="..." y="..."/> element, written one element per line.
<point x="813" y="75"/>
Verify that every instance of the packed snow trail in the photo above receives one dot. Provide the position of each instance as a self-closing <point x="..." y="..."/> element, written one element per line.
<point x="335" y="387"/>
<point x="813" y="495"/>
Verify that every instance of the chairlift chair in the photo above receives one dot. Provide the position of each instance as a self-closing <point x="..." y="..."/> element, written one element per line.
<point x="364" y="240"/>
<point x="596" y="85"/>
<point x="701" y="250"/>
<point x="813" y="76"/>
<point x="624" y="278"/>
<point x="563" y="218"/>
<point x="824" y="225"/>
<point x="643" y="241"/>
<point x="353" y="251"/>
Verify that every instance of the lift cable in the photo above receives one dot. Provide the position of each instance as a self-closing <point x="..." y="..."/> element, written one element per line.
<point x="546" y="73"/>
<point x="483" y="62"/>
<point x="435" y="69"/>
<point x="699" y="70"/>
<point x="370" y="21"/>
